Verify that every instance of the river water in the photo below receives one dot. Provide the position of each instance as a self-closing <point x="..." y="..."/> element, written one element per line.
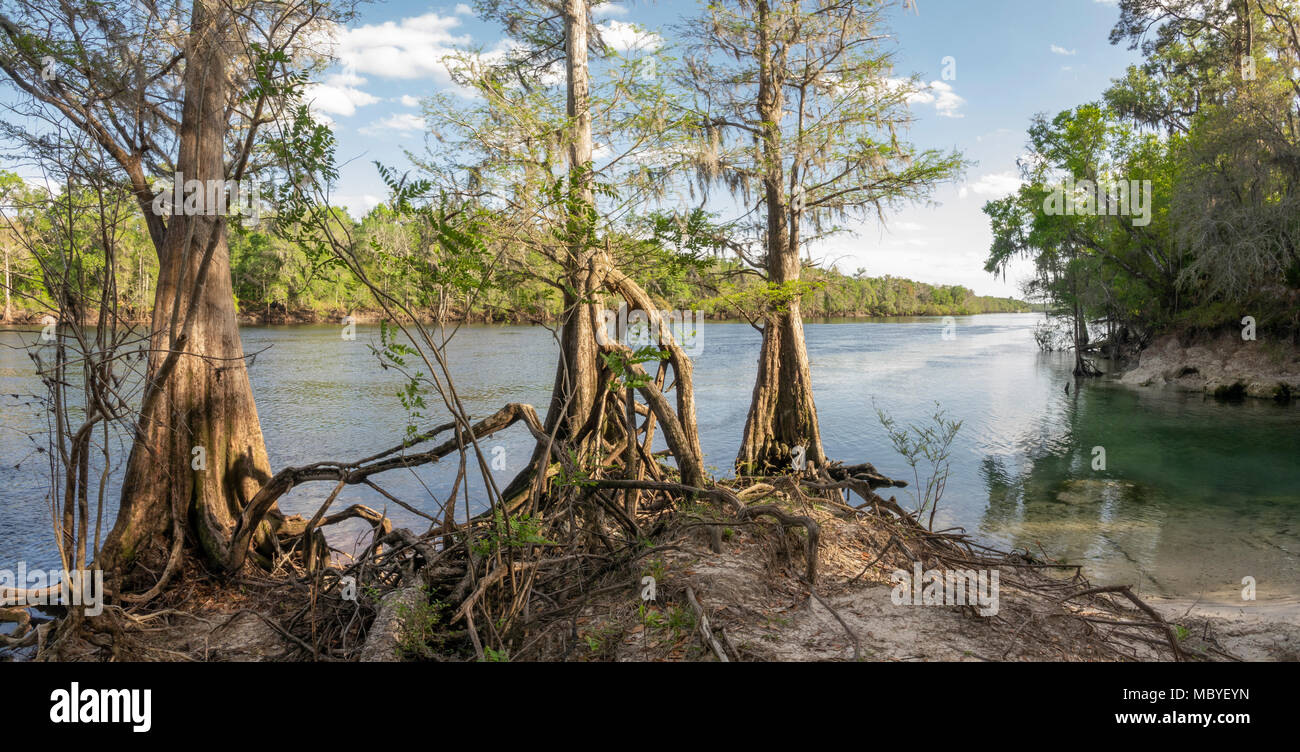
<point x="1195" y="495"/>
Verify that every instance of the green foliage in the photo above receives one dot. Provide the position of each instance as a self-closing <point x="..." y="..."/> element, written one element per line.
<point x="513" y="531"/>
<point x="826" y="293"/>
<point x="620" y="364"/>
<point x="421" y="628"/>
<point x="924" y="444"/>
<point x="440" y="261"/>
<point x="393" y="353"/>
<point x="579" y="477"/>
<point x="1219" y="80"/>
<point x="681" y="620"/>
<point x="495" y="656"/>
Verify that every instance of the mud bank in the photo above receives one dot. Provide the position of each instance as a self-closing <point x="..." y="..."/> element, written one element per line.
<point x="1222" y="365"/>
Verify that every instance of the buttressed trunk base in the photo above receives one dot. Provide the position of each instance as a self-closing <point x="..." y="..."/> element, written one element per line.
<point x="198" y="455"/>
<point x="781" y="429"/>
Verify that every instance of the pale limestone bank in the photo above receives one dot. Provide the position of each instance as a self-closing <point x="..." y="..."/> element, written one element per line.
<point x="1222" y="365"/>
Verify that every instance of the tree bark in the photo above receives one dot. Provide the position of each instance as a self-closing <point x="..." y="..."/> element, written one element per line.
<point x="577" y="375"/>
<point x="7" y="311"/>
<point x="197" y="392"/>
<point x="782" y="414"/>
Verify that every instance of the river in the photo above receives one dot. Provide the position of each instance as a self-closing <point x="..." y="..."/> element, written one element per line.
<point x="1195" y="495"/>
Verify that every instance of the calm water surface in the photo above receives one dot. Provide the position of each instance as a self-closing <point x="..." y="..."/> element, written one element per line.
<point x="1196" y="494"/>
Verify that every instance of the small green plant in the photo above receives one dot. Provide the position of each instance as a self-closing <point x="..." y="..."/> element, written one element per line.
<point x="602" y="642"/>
<point x="393" y="353"/>
<point x="620" y="364"/>
<point x="495" y="656"/>
<point x="579" y="477"/>
<point x="514" y="531"/>
<point x="681" y="620"/>
<point x="931" y="444"/>
<point x="650" y="616"/>
<point x="420" y="627"/>
<point x="656" y="569"/>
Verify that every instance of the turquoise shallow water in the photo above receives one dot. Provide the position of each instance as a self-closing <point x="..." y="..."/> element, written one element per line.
<point x="1196" y="494"/>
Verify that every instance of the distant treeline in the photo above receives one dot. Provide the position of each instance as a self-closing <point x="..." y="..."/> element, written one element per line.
<point x="273" y="279"/>
<point x="278" y="281"/>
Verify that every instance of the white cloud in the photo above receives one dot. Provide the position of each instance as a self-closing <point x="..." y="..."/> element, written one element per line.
<point x="464" y="10"/>
<point x="624" y="36"/>
<point x="608" y="9"/>
<point x="409" y="101"/>
<point x="1059" y="50"/>
<point x="993" y="185"/>
<point x="402" y="121"/>
<point x="358" y="205"/>
<point x="941" y="95"/>
<point x="338" y="95"/>
<point x="412" y="48"/>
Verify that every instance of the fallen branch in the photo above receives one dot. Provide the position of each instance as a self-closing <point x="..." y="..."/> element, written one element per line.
<point x="1127" y="592"/>
<point x="702" y="623"/>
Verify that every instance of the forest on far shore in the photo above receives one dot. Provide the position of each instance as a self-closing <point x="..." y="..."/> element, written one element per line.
<point x="278" y="281"/>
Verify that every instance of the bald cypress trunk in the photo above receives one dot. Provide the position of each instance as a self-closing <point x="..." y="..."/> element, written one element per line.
<point x="577" y="375"/>
<point x="198" y="454"/>
<point x="782" y="418"/>
<point x="7" y="311"/>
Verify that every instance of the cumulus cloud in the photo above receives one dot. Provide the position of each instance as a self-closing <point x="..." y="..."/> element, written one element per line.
<point x="608" y="9"/>
<point x="411" y="48"/>
<point x="941" y="94"/>
<point x="624" y="36"/>
<point x="409" y="101"/>
<point x="338" y="95"/>
<point x="1059" y="50"/>
<point x="404" y="122"/>
<point x="992" y="185"/>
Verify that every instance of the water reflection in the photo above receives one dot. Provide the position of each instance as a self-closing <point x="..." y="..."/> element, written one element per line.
<point x="1195" y="494"/>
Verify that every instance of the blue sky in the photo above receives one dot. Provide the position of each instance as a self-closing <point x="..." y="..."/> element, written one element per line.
<point x="1014" y="58"/>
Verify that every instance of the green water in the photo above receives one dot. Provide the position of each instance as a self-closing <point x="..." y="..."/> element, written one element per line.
<point x="1195" y="494"/>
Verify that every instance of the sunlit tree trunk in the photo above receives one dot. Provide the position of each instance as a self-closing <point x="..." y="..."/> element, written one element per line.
<point x="782" y="416"/>
<point x="8" y="310"/>
<point x="198" y="454"/>
<point x="577" y="375"/>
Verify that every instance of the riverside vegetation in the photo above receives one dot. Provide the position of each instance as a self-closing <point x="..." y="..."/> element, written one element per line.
<point x="279" y="281"/>
<point x="789" y="108"/>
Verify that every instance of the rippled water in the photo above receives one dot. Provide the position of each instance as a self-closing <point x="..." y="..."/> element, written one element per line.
<point x="1196" y="494"/>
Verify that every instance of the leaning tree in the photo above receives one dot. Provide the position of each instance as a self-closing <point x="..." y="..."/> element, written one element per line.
<point x="525" y="151"/>
<point x="799" y="116"/>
